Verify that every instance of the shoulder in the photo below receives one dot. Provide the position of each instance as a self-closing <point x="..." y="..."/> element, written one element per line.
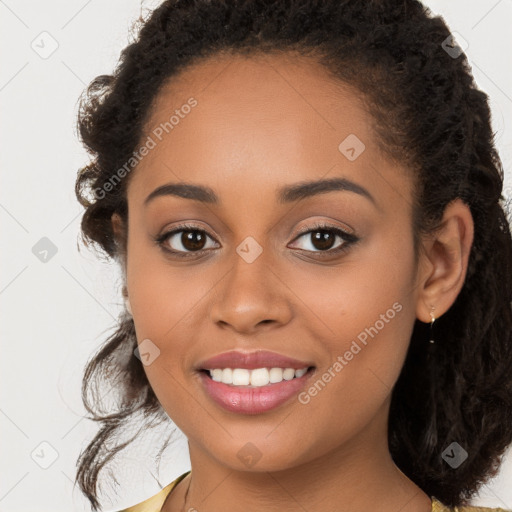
<point x="154" y="504"/>
<point x="438" y="506"/>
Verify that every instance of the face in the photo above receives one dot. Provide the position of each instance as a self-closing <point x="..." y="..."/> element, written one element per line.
<point x="325" y="276"/>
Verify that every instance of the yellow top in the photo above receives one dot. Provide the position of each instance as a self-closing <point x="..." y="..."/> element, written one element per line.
<point x="154" y="504"/>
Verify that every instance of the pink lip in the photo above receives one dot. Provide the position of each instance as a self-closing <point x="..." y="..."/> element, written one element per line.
<point x="252" y="360"/>
<point x="253" y="400"/>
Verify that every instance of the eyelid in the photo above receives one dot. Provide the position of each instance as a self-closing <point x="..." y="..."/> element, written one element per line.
<point x="319" y="224"/>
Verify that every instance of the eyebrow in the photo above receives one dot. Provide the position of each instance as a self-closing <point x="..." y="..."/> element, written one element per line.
<point x="285" y="194"/>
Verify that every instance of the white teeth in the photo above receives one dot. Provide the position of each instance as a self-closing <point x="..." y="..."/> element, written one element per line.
<point x="227" y="376"/>
<point x="276" y="375"/>
<point x="259" y="377"/>
<point x="240" y="377"/>
<point x="301" y="372"/>
<point x="216" y="374"/>
<point x="288" y="374"/>
<point x="256" y="378"/>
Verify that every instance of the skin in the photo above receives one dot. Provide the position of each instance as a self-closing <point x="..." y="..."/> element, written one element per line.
<point x="261" y="123"/>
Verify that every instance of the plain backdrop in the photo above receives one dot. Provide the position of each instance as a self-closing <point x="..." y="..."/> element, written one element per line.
<point x="55" y="313"/>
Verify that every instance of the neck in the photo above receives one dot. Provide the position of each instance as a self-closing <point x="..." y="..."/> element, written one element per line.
<point x="357" y="476"/>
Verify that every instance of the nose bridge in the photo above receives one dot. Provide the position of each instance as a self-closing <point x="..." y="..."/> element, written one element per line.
<point x="250" y="293"/>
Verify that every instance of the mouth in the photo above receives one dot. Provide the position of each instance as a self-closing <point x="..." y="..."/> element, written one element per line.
<point x="254" y="391"/>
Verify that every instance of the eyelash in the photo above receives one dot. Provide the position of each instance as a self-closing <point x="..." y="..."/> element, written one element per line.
<point x="348" y="238"/>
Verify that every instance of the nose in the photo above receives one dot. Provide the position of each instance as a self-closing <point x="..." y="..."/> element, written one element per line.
<point x="251" y="297"/>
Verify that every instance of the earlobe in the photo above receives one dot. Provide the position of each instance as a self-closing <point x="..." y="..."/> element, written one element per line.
<point x="447" y="251"/>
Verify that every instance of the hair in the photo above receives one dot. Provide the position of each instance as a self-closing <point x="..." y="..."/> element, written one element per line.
<point x="428" y="114"/>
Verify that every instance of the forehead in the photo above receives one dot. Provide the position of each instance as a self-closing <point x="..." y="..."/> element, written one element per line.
<point x="271" y="119"/>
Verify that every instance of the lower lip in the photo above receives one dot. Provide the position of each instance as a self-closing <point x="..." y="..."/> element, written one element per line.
<point x="253" y="400"/>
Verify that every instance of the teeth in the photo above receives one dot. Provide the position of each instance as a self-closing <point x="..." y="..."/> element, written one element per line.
<point x="257" y="377"/>
<point x="216" y="374"/>
<point x="227" y="376"/>
<point x="276" y="375"/>
<point x="288" y="374"/>
<point x="301" y="372"/>
<point x="240" y="377"/>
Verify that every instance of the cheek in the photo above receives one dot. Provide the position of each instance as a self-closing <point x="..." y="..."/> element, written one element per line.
<point x="364" y="313"/>
<point x="371" y="286"/>
<point x="366" y="358"/>
<point x="162" y="294"/>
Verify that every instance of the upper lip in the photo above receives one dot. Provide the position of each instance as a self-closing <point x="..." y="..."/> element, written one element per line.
<point x="252" y="360"/>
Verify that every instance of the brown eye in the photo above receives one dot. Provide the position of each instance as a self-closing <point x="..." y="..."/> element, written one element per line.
<point x="322" y="239"/>
<point x="192" y="240"/>
<point x="185" y="240"/>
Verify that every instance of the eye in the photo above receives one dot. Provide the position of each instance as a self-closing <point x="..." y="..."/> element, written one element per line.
<point x="322" y="237"/>
<point x="184" y="240"/>
<point x="188" y="240"/>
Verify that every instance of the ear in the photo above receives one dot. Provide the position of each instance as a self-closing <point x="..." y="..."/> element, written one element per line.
<point x="120" y="236"/>
<point x="117" y="225"/>
<point x="444" y="262"/>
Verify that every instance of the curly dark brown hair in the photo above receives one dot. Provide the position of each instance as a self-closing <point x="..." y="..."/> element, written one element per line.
<point x="428" y="113"/>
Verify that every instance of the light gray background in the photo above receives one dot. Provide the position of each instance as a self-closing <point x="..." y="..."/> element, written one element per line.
<point x="55" y="314"/>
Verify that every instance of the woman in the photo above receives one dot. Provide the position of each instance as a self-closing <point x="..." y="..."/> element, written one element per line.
<point x="304" y="198"/>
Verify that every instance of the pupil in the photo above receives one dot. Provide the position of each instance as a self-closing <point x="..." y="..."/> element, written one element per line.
<point x="321" y="239"/>
<point x="192" y="240"/>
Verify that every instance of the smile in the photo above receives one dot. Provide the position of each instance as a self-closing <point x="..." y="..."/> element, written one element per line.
<point x="254" y="391"/>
